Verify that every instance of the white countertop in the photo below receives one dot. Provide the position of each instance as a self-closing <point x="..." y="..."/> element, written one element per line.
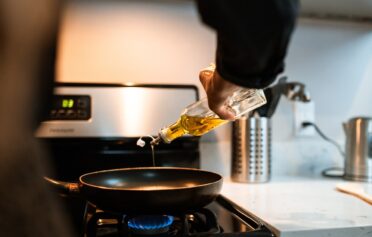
<point x="303" y="207"/>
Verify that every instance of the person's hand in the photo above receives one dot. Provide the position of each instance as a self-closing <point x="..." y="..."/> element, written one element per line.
<point x="218" y="90"/>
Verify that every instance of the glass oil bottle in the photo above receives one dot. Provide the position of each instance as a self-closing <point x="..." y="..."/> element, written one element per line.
<point x="197" y="119"/>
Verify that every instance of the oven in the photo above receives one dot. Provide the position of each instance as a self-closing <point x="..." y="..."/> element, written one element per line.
<point x="95" y="127"/>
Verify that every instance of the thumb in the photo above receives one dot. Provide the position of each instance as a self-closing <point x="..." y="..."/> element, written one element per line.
<point x="205" y="76"/>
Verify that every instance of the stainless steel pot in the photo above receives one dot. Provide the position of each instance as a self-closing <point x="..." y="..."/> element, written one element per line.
<point x="358" y="156"/>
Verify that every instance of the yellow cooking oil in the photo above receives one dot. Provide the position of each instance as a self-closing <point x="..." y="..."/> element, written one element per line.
<point x="193" y="125"/>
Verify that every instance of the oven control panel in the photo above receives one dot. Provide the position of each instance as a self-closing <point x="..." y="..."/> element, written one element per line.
<point x="83" y="110"/>
<point x="70" y="107"/>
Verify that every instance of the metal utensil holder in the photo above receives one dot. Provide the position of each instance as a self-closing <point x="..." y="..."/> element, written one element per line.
<point x="251" y="151"/>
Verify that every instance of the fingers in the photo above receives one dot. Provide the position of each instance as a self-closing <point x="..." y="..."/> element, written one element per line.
<point x="224" y="113"/>
<point x="217" y="90"/>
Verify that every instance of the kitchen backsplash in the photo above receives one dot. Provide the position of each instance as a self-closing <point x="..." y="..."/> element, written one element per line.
<point x="164" y="42"/>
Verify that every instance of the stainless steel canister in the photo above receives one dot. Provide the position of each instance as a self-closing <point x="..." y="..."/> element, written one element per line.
<point x="358" y="159"/>
<point x="251" y="151"/>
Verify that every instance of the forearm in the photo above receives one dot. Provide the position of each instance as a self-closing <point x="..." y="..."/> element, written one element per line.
<point x="252" y="37"/>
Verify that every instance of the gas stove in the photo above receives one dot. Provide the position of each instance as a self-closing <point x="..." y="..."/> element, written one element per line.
<point x="220" y="218"/>
<point x="95" y="127"/>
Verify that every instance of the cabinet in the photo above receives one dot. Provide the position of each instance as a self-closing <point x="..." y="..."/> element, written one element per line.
<point x="359" y="10"/>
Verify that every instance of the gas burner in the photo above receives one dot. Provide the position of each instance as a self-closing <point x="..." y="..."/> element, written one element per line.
<point x="219" y="219"/>
<point x="150" y="224"/>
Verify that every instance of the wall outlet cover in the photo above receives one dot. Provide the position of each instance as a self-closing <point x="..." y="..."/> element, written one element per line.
<point x="303" y="112"/>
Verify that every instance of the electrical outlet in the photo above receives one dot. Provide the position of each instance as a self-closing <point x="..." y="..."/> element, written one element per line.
<point x="303" y="112"/>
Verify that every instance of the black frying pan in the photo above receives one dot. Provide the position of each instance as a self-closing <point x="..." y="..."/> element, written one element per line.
<point x="146" y="190"/>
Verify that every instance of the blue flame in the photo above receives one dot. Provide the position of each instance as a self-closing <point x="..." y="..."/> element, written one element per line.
<point x="150" y="222"/>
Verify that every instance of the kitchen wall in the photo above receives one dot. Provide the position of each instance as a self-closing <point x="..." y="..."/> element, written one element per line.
<point x="164" y="42"/>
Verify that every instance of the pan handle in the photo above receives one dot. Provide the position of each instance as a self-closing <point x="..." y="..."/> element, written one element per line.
<point x="64" y="188"/>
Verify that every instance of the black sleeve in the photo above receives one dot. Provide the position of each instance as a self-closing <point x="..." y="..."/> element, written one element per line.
<point x="252" y="37"/>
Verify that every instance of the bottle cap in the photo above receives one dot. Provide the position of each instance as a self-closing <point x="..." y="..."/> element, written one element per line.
<point x="141" y="142"/>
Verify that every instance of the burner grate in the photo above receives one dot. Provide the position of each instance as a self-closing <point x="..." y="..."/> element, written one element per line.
<point x="201" y="222"/>
<point x="219" y="219"/>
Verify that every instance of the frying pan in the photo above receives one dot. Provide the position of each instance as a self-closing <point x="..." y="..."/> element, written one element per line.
<point x="146" y="189"/>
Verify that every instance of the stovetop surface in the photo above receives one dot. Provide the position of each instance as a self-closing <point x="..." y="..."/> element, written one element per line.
<point x="220" y="218"/>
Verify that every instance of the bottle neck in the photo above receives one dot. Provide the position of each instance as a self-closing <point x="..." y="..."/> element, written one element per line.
<point x="172" y="132"/>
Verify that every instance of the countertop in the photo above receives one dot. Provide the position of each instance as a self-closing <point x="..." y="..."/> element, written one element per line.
<point x="303" y="207"/>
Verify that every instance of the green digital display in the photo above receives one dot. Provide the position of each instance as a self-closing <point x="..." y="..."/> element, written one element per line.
<point x="70" y="107"/>
<point x="67" y="103"/>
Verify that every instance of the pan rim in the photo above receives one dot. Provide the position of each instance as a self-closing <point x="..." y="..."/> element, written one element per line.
<point x="220" y="179"/>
